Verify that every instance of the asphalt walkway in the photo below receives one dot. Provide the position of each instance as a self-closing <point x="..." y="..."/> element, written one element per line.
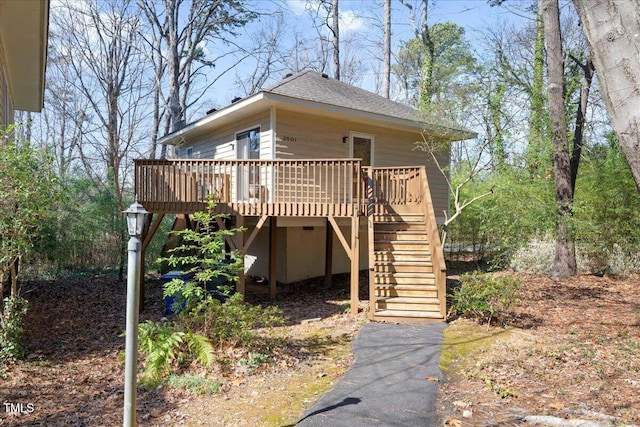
<point x="388" y="384"/>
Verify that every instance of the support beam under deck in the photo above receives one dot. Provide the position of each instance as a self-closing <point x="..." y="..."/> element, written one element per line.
<point x="273" y="250"/>
<point x="240" y="286"/>
<point x="353" y="252"/>
<point x="328" y="256"/>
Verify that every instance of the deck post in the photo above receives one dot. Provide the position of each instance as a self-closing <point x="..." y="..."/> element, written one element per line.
<point x="328" y="256"/>
<point x="148" y="232"/>
<point x="240" y="287"/>
<point x="273" y="250"/>
<point x="355" y="264"/>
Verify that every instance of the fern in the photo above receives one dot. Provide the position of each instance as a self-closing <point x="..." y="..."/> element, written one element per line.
<point x="202" y="320"/>
<point x="201" y="348"/>
<point x="163" y="345"/>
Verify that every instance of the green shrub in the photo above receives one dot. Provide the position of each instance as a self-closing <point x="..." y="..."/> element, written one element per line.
<point x="11" y="317"/>
<point x="254" y="360"/>
<point x="536" y="257"/>
<point x="233" y="322"/>
<point x="202" y="320"/>
<point x="484" y="296"/>
<point x="165" y="344"/>
<point x="201" y="256"/>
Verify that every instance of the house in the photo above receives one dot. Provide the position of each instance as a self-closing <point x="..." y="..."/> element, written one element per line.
<point x="23" y="54"/>
<point x="326" y="179"/>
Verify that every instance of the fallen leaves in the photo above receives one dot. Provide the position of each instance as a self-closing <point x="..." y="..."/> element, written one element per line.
<point x="74" y="371"/>
<point x="578" y="342"/>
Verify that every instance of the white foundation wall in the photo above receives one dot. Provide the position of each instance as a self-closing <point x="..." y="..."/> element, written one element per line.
<point x="300" y="252"/>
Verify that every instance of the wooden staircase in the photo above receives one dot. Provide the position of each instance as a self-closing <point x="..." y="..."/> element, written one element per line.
<point x="403" y="284"/>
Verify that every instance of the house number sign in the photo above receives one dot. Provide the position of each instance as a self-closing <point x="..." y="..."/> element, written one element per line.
<point x="289" y="138"/>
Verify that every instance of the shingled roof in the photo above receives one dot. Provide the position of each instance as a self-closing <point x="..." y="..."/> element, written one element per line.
<point x="316" y="87"/>
<point x="316" y="92"/>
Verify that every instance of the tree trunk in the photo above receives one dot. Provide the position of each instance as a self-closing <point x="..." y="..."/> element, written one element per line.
<point x="173" y="70"/>
<point x="426" y="73"/>
<point x="335" y="28"/>
<point x="565" y="257"/>
<point x="611" y="28"/>
<point x="386" y="71"/>
<point x="581" y="118"/>
<point x="536" y="150"/>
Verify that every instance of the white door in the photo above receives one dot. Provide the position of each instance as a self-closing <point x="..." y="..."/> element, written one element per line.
<point x="362" y="147"/>
<point x="248" y="176"/>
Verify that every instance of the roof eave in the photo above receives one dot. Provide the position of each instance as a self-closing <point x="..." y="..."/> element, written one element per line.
<point x="263" y="100"/>
<point x="181" y="136"/>
<point x="451" y="134"/>
<point x="25" y="27"/>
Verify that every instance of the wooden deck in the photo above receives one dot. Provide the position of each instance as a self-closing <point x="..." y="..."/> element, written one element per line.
<point x="406" y="263"/>
<point x="251" y="187"/>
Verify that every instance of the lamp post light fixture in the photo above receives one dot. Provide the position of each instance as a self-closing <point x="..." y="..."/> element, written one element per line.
<point x="136" y="216"/>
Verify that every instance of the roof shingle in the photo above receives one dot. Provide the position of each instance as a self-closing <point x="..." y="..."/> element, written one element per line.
<point x="316" y="87"/>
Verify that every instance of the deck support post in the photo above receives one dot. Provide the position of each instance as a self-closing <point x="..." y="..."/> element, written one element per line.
<point x="240" y="287"/>
<point x="355" y="264"/>
<point x="328" y="256"/>
<point x="273" y="250"/>
<point x="353" y="252"/>
<point x="148" y="232"/>
<point x="228" y="239"/>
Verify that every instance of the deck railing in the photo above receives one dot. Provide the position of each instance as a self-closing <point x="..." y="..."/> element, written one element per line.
<point x="437" y="254"/>
<point x="388" y="186"/>
<point x="315" y="187"/>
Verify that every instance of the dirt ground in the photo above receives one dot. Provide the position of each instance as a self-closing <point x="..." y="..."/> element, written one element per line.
<point x="74" y="372"/>
<point x="568" y="350"/>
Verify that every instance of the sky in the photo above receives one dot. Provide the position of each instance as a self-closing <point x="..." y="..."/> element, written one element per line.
<point x="362" y="19"/>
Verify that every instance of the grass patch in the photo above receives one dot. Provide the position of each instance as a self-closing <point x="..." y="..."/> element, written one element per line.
<point x="462" y="340"/>
<point x="196" y="384"/>
<point x="286" y="407"/>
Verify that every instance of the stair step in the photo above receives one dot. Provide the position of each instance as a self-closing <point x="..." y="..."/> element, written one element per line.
<point x="404" y="263"/>
<point x="413" y="218"/>
<point x="408" y="314"/>
<point x="405" y="286"/>
<point x="403" y="267"/>
<point x="400" y="245"/>
<point x="402" y="256"/>
<point x="405" y="290"/>
<point x="409" y="300"/>
<point x="405" y="274"/>
<point x="383" y="235"/>
<point x="408" y="303"/>
<point x="404" y="279"/>
<point x="383" y="227"/>
<point x="400" y="208"/>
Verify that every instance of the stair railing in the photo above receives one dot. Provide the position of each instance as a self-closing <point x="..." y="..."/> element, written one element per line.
<point x="437" y="253"/>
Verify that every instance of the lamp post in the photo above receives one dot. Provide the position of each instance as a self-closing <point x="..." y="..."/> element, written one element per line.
<point x="136" y="215"/>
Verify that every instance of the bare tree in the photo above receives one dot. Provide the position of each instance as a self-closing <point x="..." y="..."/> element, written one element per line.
<point x="60" y="129"/>
<point x="565" y="257"/>
<point x="335" y="30"/>
<point x="326" y="16"/>
<point x="184" y="40"/>
<point x="155" y="56"/>
<point x="101" y="44"/>
<point x="477" y="165"/>
<point x="386" y="57"/>
<point x="270" y="55"/>
<point x="423" y="35"/>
